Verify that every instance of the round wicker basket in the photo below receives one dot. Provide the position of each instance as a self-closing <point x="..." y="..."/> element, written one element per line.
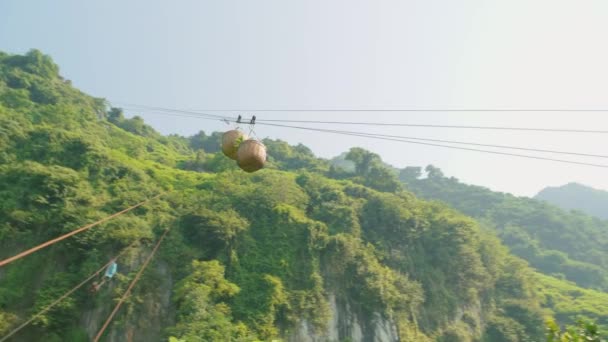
<point x="231" y="141"/>
<point x="251" y="155"/>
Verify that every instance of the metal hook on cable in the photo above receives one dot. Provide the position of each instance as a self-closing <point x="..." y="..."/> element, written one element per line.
<point x="237" y="123"/>
<point x="252" y="125"/>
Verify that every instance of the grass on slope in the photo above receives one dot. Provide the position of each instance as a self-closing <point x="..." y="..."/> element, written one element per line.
<point x="568" y="301"/>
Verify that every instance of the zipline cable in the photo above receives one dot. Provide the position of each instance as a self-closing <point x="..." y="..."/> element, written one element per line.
<point x="414" y="110"/>
<point x="74" y="232"/>
<point x="406" y="139"/>
<point x="476" y="144"/>
<point x="67" y="294"/>
<point x="421" y="110"/>
<point x="438" y="145"/>
<point x="504" y="128"/>
<point x="137" y="107"/>
<point x="127" y="292"/>
<point x="555" y="130"/>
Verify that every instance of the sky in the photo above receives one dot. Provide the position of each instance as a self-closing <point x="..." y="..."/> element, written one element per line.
<point x="319" y="54"/>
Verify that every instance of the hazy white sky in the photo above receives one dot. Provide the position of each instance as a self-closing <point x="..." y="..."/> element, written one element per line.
<point x="356" y="54"/>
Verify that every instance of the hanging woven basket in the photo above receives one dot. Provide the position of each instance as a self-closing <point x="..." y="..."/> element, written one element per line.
<point x="231" y="141"/>
<point x="251" y="155"/>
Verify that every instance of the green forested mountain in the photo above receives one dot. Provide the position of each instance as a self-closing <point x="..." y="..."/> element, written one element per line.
<point x="574" y="196"/>
<point x="563" y="244"/>
<point x="300" y="251"/>
<point x="557" y="242"/>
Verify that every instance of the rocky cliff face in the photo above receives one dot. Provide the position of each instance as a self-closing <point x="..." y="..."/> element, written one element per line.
<point x="347" y="325"/>
<point x="148" y="323"/>
<point x="147" y="320"/>
<point x="143" y="322"/>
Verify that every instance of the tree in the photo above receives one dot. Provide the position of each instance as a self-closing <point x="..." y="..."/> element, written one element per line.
<point x="202" y="313"/>
<point x="35" y="62"/>
<point x="209" y="143"/>
<point x="583" y="331"/>
<point x="212" y="229"/>
<point x="433" y="172"/>
<point x="363" y="160"/>
<point x="371" y="172"/>
<point x="115" y="115"/>
<point x="410" y="173"/>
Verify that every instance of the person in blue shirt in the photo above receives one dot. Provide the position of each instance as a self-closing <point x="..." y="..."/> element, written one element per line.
<point x="111" y="270"/>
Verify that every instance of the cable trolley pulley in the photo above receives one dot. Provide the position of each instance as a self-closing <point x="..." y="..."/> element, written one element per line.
<point x="249" y="153"/>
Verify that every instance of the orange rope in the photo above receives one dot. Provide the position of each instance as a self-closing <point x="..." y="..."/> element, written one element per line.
<point x="127" y="292"/>
<point x="67" y="294"/>
<point x="81" y="229"/>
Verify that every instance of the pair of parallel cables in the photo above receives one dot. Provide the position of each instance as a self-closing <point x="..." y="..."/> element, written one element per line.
<point x="93" y="275"/>
<point x="461" y="145"/>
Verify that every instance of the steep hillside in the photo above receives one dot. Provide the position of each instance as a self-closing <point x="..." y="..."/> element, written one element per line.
<point x="568" y="301"/>
<point x="558" y="243"/>
<point x="298" y="251"/>
<point x="574" y="196"/>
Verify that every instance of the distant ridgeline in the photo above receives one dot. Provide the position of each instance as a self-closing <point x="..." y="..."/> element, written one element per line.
<point x="575" y="196"/>
<point x="555" y="241"/>
<point x="301" y="250"/>
<point x="564" y="244"/>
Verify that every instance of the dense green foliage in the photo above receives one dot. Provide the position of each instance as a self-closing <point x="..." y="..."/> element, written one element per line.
<point x="570" y="303"/>
<point x="583" y="331"/>
<point x="249" y="256"/>
<point x="574" y="196"/>
<point x="558" y="243"/>
<point x="202" y="315"/>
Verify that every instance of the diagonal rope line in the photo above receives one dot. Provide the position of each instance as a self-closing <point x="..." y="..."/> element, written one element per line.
<point x="438" y="145"/>
<point x="127" y="292"/>
<point x="471" y="143"/>
<point x="79" y="230"/>
<point x="67" y="294"/>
